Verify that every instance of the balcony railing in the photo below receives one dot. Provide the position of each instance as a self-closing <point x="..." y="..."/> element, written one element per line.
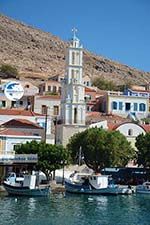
<point x="10" y="158"/>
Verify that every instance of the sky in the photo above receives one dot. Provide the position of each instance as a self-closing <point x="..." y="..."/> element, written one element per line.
<point x="116" y="29"/>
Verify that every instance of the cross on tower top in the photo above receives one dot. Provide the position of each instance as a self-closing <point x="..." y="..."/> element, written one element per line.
<point x="74" y="30"/>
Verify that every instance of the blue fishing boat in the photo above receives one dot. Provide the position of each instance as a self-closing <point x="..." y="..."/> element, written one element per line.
<point x="94" y="184"/>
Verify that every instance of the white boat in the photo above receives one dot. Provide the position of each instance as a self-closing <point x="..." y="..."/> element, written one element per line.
<point x="93" y="184"/>
<point x="143" y="188"/>
<point x="25" y="186"/>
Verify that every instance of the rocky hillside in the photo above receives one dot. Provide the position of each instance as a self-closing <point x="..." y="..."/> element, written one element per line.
<point x="39" y="55"/>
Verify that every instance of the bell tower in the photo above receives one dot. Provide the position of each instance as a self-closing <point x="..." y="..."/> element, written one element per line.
<point x="72" y="98"/>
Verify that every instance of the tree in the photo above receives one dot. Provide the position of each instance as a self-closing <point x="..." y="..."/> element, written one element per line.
<point x="50" y="157"/>
<point x="101" y="148"/>
<point x="103" y="84"/>
<point x="9" y="71"/>
<point x="143" y="146"/>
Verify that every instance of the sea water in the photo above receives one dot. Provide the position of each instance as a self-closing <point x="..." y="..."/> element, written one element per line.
<point x="60" y="209"/>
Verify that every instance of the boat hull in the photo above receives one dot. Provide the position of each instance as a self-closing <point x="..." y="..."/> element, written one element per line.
<point x="26" y="191"/>
<point x="142" y="192"/>
<point x="82" y="189"/>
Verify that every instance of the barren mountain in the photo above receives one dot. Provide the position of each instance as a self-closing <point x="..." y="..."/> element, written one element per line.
<point x="39" y="55"/>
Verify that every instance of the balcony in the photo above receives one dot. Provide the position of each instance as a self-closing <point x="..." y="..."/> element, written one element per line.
<point x="8" y="158"/>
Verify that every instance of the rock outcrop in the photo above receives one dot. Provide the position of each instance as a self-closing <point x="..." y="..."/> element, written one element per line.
<point x="40" y="55"/>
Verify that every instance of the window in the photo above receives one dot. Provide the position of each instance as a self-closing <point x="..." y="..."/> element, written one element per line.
<point x="88" y="109"/>
<point x="73" y="58"/>
<point x="20" y="103"/>
<point x="135" y="106"/>
<point x="75" y="115"/>
<point x="13" y="104"/>
<point x="59" y="90"/>
<point x="142" y="107"/>
<point x="130" y="132"/>
<point x="127" y="106"/>
<point x="120" y="105"/>
<point x="73" y="73"/>
<point x="44" y="109"/>
<point x="114" y="105"/>
<point x="54" y="89"/>
<point x="27" y="86"/>
<point x="35" y="134"/>
<point x="43" y="88"/>
<point x="56" y="110"/>
<point x="77" y="58"/>
<point x="49" y="88"/>
<point x="2" y="104"/>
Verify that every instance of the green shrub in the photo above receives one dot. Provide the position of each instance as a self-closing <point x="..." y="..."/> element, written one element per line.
<point x="9" y="70"/>
<point x="103" y="84"/>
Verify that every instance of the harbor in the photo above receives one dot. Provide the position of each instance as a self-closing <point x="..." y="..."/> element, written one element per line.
<point x="66" y="209"/>
<point x="74" y="124"/>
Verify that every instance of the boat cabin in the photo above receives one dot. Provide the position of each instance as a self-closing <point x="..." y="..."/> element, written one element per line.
<point x="98" y="181"/>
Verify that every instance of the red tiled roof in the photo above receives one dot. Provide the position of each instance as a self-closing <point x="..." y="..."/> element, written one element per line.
<point x="10" y="132"/>
<point x="113" y="126"/>
<point x="87" y="89"/>
<point x="146" y="127"/>
<point x="21" y="123"/>
<point x="97" y="116"/>
<point x="54" y="97"/>
<point x="16" y="112"/>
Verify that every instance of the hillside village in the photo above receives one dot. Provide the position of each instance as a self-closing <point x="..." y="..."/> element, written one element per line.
<point x="63" y="105"/>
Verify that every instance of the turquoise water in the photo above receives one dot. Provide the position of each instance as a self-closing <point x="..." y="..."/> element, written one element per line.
<point x="75" y="210"/>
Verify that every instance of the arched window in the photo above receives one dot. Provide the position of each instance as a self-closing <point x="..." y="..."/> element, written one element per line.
<point x="142" y="107"/>
<point x="130" y="132"/>
<point x="75" y="115"/>
<point x="54" y="89"/>
<point x="120" y="105"/>
<point x="88" y="108"/>
<point x="114" y="105"/>
<point x="73" y="58"/>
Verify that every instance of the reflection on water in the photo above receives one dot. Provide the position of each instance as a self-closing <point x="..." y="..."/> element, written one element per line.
<point x="59" y="209"/>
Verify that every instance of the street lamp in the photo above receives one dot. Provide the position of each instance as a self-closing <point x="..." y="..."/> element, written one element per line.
<point x="63" y="162"/>
<point x="45" y="124"/>
<point x="55" y="125"/>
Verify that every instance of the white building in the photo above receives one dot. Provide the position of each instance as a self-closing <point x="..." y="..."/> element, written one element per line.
<point x="130" y="130"/>
<point x="73" y="105"/>
<point x="72" y="96"/>
<point x="10" y="138"/>
<point x="40" y="119"/>
<point x="25" y="102"/>
<point x="126" y="104"/>
<point x="49" y="104"/>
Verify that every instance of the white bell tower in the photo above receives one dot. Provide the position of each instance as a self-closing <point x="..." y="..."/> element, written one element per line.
<point x="72" y="98"/>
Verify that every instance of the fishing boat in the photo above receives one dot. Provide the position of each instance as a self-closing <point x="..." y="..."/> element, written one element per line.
<point x="143" y="188"/>
<point x="26" y="186"/>
<point x="94" y="184"/>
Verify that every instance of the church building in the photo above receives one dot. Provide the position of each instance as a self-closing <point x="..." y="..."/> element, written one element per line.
<point x="73" y="107"/>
